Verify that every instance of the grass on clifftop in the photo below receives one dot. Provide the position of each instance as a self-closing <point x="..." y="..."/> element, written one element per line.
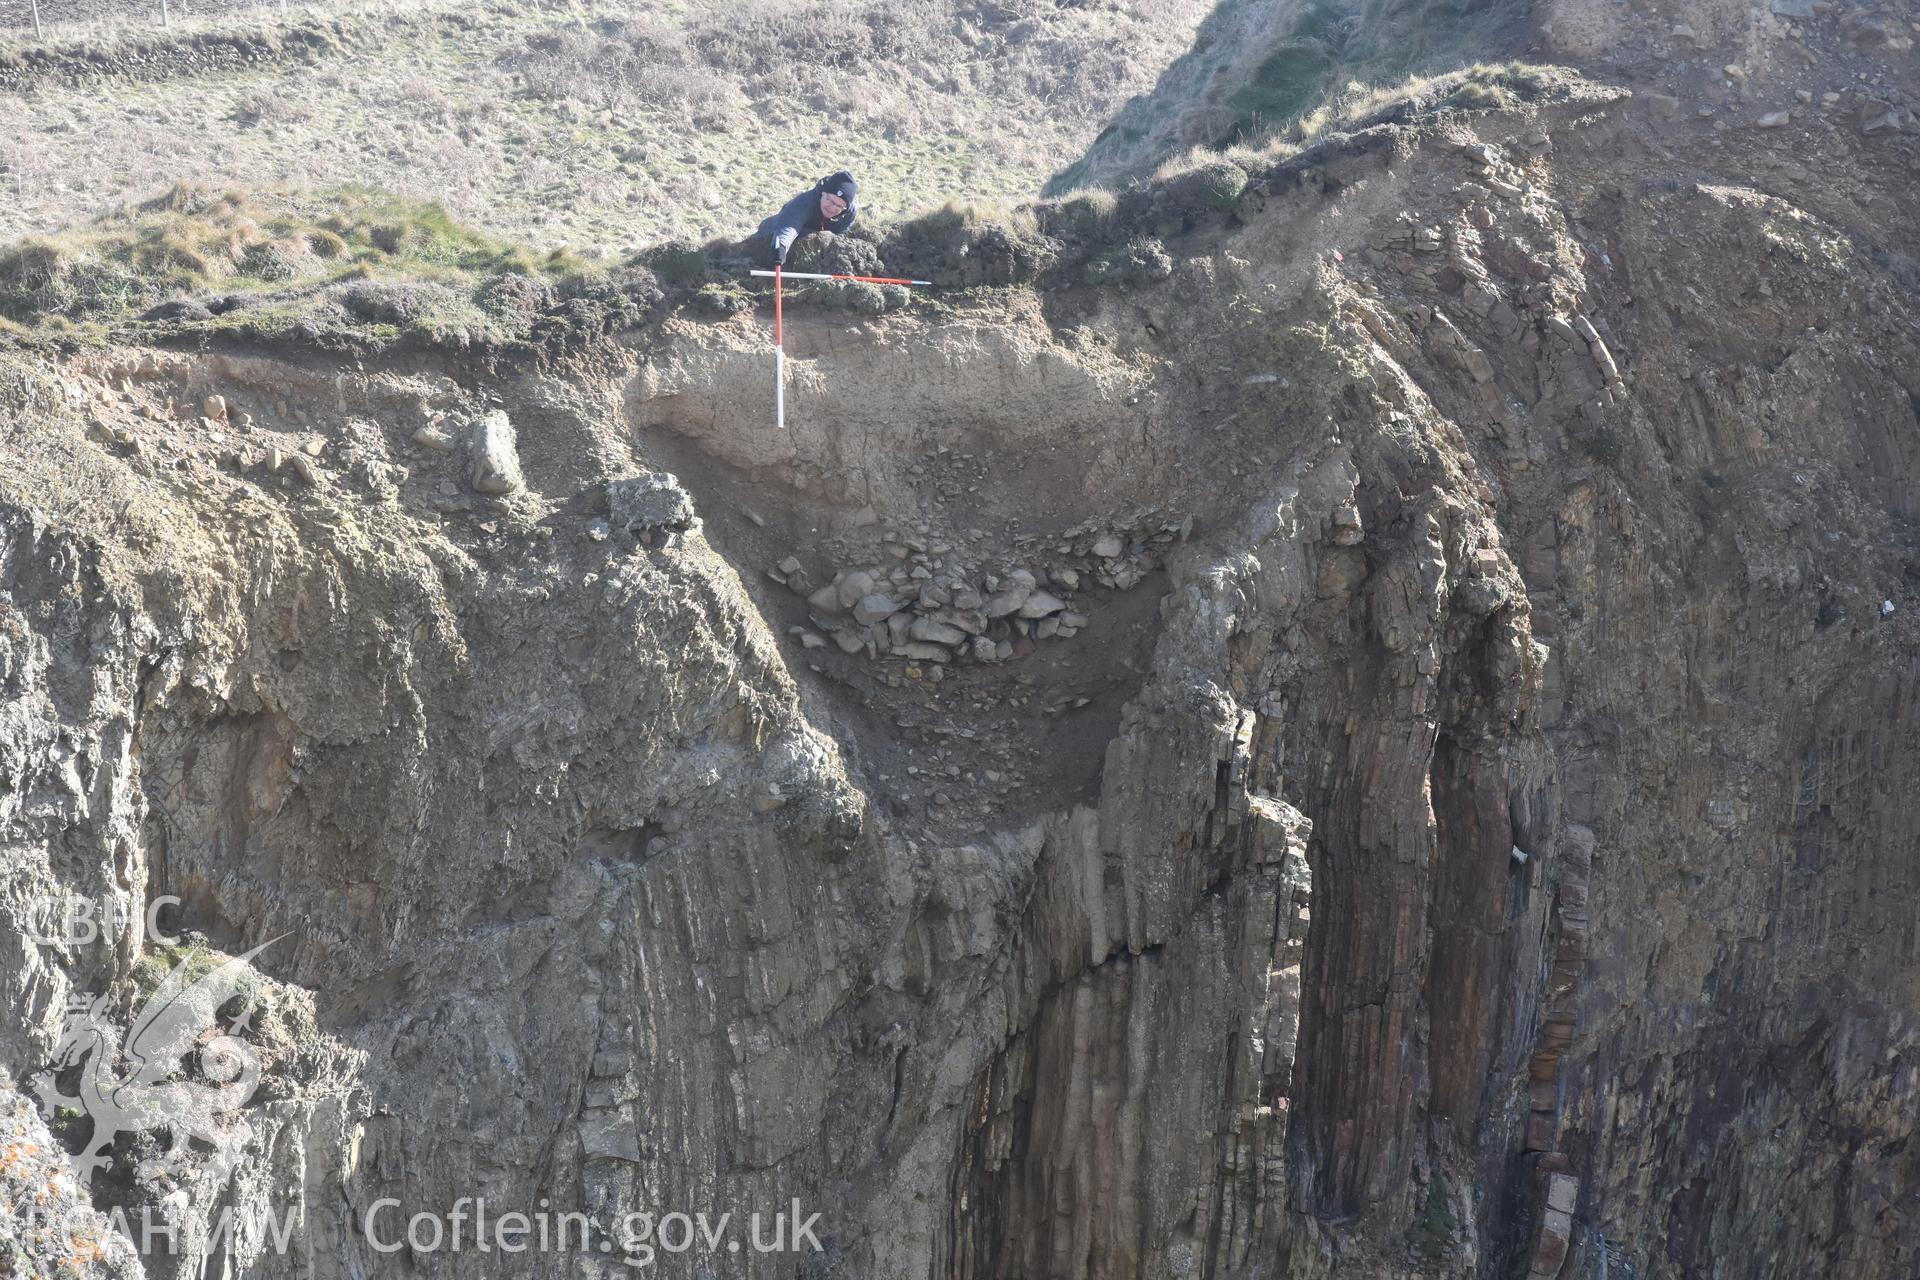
<point x="1480" y="87"/>
<point x="1267" y="70"/>
<point x="192" y="243"/>
<point x="371" y="266"/>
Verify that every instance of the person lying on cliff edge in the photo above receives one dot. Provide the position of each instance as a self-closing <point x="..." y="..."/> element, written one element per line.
<point x="828" y="207"/>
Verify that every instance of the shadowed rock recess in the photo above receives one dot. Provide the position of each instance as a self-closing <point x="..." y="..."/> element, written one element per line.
<point x="1380" y="749"/>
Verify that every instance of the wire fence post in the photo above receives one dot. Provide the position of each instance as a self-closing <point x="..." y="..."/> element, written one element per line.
<point x="166" y="18"/>
<point x="38" y="34"/>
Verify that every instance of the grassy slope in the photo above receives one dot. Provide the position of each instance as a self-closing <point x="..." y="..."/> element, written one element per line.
<point x="1266" y="72"/>
<point x="605" y="126"/>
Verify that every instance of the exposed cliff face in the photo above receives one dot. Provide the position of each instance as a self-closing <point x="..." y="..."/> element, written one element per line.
<point x="1461" y="837"/>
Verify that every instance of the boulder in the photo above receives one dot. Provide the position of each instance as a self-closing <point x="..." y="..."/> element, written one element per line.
<point x="971" y="621"/>
<point x="1008" y="601"/>
<point x="851" y="587"/>
<point x="1040" y="604"/>
<point x="651" y="500"/>
<point x="1878" y="117"/>
<point x="875" y="608"/>
<point x="496" y="455"/>
<point x="936" y="632"/>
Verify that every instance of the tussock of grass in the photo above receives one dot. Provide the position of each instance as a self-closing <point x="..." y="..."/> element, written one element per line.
<point x="1203" y="180"/>
<point x="1084" y="218"/>
<point x="676" y="262"/>
<point x="1095" y="207"/>
<point x="957" y="217"/>
<point x="263" y="106"/>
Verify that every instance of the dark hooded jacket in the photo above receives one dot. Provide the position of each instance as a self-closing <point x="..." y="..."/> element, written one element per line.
<point x="800" y="216"/>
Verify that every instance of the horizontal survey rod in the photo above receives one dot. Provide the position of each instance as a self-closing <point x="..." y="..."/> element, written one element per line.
<point x="810" y="275"/>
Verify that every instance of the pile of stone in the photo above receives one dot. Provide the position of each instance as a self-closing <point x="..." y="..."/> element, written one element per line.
<point x="1115" y="554"/>
<point x="933" y="617"/>
<point x="926" y="607"/>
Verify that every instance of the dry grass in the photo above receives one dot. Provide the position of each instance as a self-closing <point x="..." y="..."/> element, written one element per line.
<point x="615" y="124"/>
<point x="264" y="106"/>
<point x="192" y="241"/>
<point x="956" y="216"/>
<point x="1270" y="71"/>
<point x="1481" y="87"/>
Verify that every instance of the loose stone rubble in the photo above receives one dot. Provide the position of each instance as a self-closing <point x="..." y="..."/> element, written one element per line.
<point x="923" y="604"/>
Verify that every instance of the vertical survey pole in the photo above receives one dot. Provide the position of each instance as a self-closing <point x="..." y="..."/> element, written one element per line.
<point x="779" y="358"/>
<point x="779" y="335"/>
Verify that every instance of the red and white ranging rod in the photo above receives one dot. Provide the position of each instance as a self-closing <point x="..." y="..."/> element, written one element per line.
<point x="779" y="338"/>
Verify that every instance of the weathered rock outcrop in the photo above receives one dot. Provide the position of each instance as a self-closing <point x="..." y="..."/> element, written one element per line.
<point x="1468" y="842"/>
